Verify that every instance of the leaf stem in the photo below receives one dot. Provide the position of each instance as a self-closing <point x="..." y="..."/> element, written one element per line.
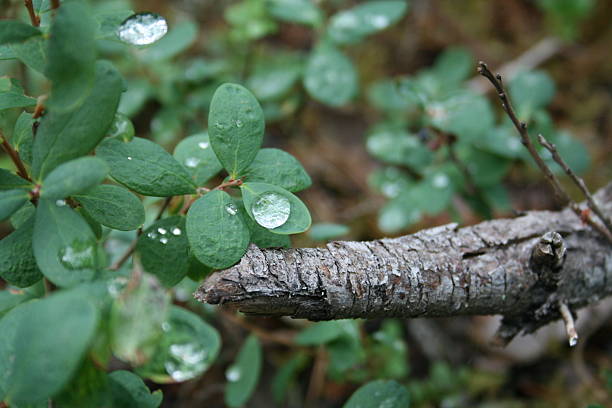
<point x="33" y="17"/>
<point x="21" y="170"/>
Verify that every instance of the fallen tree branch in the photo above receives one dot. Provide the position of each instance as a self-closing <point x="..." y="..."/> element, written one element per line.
<point x="522" y="268"/>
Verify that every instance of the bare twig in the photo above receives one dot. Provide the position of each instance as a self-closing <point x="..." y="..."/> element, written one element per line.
<point x="126" y="255"/>
<point x="258" y="331"/>
<point x="21" y="170"/>
<point x="521" y="127"/>
<point x="40" y="107"/>
<point x="570" y="327"/>
<point x="577" y="180"/>
<point x="33" y="17"/>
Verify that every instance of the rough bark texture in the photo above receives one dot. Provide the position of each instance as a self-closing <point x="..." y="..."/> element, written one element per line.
<point x="514" y="267"/>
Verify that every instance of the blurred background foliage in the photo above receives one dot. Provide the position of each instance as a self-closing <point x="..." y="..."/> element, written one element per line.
<point x="386" y="117"/>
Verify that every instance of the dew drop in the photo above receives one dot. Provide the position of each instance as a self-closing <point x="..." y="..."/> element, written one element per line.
<point x="121" y="128"/>
<point x="239" y="123"/>
<point x="233" y="374"/>
<point x="379" y="21"/>
<point x="129" y="157"/>
<point x="166" y="326"/>
<point x="152" y="235"/>
<point x="231" y="209"/>
<point x="162" y="231"/>
<point x="440" y="181"/>
<point x="60" y="203"/>
<point x="78" y="255"/>
<point x="192" y="162"/>
<point x="142" y="29"/>
<point x="163" y="240"/>
<point x="220" y="126"/>
<point x="271" y="210"/>
<point x="176" y="231"/>
<point x="186" y="361"/>
<point x="203" y="145"/>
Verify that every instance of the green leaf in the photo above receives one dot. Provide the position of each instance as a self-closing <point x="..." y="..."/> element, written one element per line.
<point x="243" y="375"/>
<point x="42" y="345"/>
<point x="274" y="166"/>
<point x="129" y="391"/>
<point x="261" y="236"/>
<point x="392" y="96"/>
<point x="109" y="19"/>
<point x="274" y="75"/>
<point x="11" y="95"/>
<point x="250" y="20"/>
<point x="351" y="26"/>
<point x="32" y="52"/>
<point x="375" y="394"/>
<point x="286" y="374"/>
<point x="531" y="90"/>
<point x="164" y="250"/>
<point x="327" y="231"/>
<point x="89" y="387"/>
<point x="145" y="167"/>
<point x="71" y="56"/>
<point x="113" y="206"/>
<point x="396" y="146"/>
<point x="453" y="66"/>
<point x="176" y="41"/>
<point x="389" y="181"/>
<point x="195" y="153"/>
<point x="485" y="168"/>
<point x="13" y="31"/>
<point x="216" y="231"/>
<point x="74" y="177"/>
<point x="296" y="11"/>
<point x="400" y="212"/>
<point x="188" y="347"/>
<point x="572" y="150"/>
<point x="11" y="201"/>
<point x="273" y="203"/>
<point x="9" y="299"/>
<point x="321" y="333"/>
<point x="23" y="137"/>
<point x="64" y="245"/>
<point x="136" y="319"/>
<point x="235" y="126"/>
<point x="466" y="115"/>
<point x="65" y="136"/>
<point x="330" y="77"/>
<point x="17" y="264"/>
<point x="10" y="181"/>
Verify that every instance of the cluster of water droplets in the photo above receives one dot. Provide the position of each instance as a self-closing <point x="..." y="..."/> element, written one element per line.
<point x="185" y="361"/>
<point x="231" y="209"/>
<point x="271" y="210"/>
<point x="142" y="29"/>
<point x="164" y="234"/>
<point x="192" y="161"/>
<point x="78" y="255"/>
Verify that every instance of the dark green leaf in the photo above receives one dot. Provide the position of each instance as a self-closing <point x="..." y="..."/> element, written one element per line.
<point x="32" y="52"/>
<point x="296" y="11"/>
<point x="145" y="167"/>
<point x="531" y="90"/>
<point x="235" y="126"/>
<point x="216" y="230"/>
<point x="350" y="26"/>
<point x="321" y="332"/>
<point x="164" y="250"/>
<point x="466" y="115"/>
<point x="269" y="205"/>
<point x="23" y="137"/>
<point x="326" y="231"/>
<point x="390" y="96"/>
<point x="274" y="166"/>
<point x="13" y="31"/>
<point x="64" y="245"/>
<point x="89" y="387"/>
<point x="42" y="345"/>
<point x="11" y="201"/>
<point x="243" y="375"/>
<point x="379" y="393"/>
<point x="197" y="270"/>
<point x="71" y="56"/>
<point x="195" y="153"/>
<point x="113" y="206"/>
<point x="187" y="348"/>
<point x="62" y="137"/>
<point x="176" y="41"/>
<point x="330" y="77"/>
<point x="129" y="391"/>
<point x="10" y="181"/>
<point x="74" y="177"/>
<point x="11" y="95"/>
<point x="396" y="146"/>
<point x="17" y="264"/>
<point x="261" y="236"/>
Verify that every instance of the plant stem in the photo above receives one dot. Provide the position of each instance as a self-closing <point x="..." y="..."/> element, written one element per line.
<point x="33" y="17"/>
<point x="21" y="170"/>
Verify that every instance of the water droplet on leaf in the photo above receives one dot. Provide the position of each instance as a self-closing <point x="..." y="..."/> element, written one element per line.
<point x="186" y="361"/>
<point x="129" y="157"/>
<point x="163" y="240"/>
<point x="78" y="255"/>
<point x="176" y="231"/>
<point x="440" y="181"/>
<point x="152" y="235"/>
<point x="162" y="230"/>
<point x="233" y="374"/>
<point x="203" y="145"/>
<point x="142" y="29"/>
<point x="231" y="209"/>
<point x="121" y="128"/>
<point x="271" y="210"/>
<point x="192" y="162"/>
<point x="60" y="203"/>
<point x="239" y="123"/>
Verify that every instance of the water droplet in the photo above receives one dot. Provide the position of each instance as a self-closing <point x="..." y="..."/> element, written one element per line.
<point x="115" y="286"/>
<point x="573" y="340"/>
<point x="231" y="209"/>
<point x="271" y="210"/>
<point x="166" y="326"/>
<point x="192" y="162"/>
<point x="163" y="240"/>
<point x="186" y="361"/>
<point x="379" y="21"/>
<point x="129" y="157"/>
<point x="78" y="255"/>
<point x="152" y="235"/>
<point x="121" y="128"/>
<point x="233" y="374"/>
<point x="239" y="123"/>
<point x="440" y="181"/>
<point x="220" y="126"/>
<point x="176" y="231"/>
<point x="142" y="29"/>
<point x="203" y="145"/>
<point x="162" y="230"/>
<point x="60" y="203"/>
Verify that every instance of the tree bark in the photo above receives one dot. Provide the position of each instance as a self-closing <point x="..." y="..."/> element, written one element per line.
<point x="522" y="268"/>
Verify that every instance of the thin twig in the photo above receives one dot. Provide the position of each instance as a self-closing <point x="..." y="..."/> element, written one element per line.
<point x="577" y="180"/>
<point x="521" y="127"/>
<point x="39" y="109"/>
<point x="258" y="331"/>
<point x="126" y="255"/>
<point x="33" y="17"/>
<point x="570" y="327"/>
<point x="21" y="170"/>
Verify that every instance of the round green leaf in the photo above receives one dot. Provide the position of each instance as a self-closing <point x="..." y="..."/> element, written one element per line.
<point x="274" y="166"/>
<point x="236" y="127"/>
<point x="330" y="77"/>
<point x="380" y="393"/>
<point x="396" y="146"/>
<point x="216" y="231"/>
<point x="195" y="153"/>
<point x="10" y="181"/>
<point x="129" y="391"/>
<point x="145" y="167"/>
<point x="11" y="201"/>
<point x="296" y="11"/>
<point x="113" y="206"/>
<point x="17" y="264"/>
<point x="298" y="215"/>
<point x="327" y="231"/>
<point x="531" y="90"/>
<point x="74" y="177"/>
<point x="243" y="375"/>
<point x="164" y="250"/>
